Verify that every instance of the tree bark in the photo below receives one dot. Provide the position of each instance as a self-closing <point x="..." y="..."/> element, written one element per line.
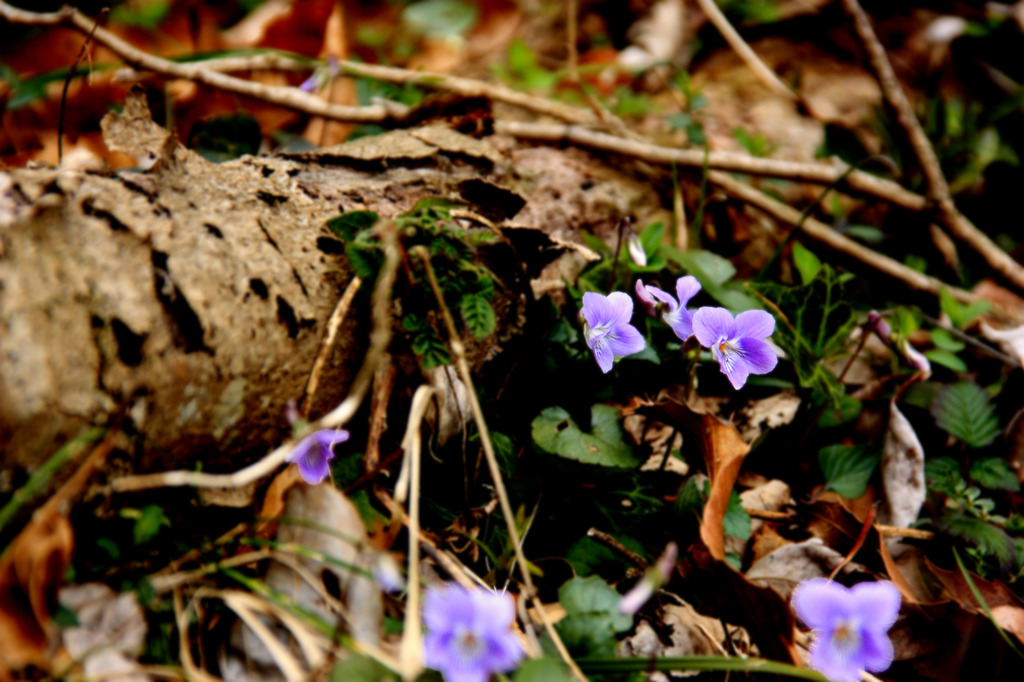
<point x="195" y="295"/>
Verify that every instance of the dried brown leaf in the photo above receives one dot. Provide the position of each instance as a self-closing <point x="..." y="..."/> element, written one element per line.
<point x="1005" y="606"/>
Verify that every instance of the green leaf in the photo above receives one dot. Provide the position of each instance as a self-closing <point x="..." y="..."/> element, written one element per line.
<point x="989" y="538"/>
<point x="964" y="412"/>
<point x="819" y="311"/>
<point x="848" y="468"/>
<point x="110" y="547"/>
<point x="555" y="432"/>
<point x="995" y="473"/>
<point x="946" y="359"/>
<point x="588" y="556"/>
<point x="941" y="467"/>
<point x="961" y="315"/>
<point x="714" y="268"/>
<point x="806" y="262"/>
<point x="945" y="341"/>
<point x="737" y="520"/>
<point x="145" y="15"/>
<point x="364" y="259"/>
<point x="372" y="518"/>
<point x="440" y="18"/>
<point x="349" y="224"/>
<point x="149" y="523"/>
<point x="580" y="596"/>
<point x="714" y="273"/>
<point x="478" y="315"/>
<point x="546" y="669"/>
<point x="847" y="410"/>
<point x="651" y="236"/>
<point x="361" y="668"/>
<point x="589" y="634"/>
<point x="817" y="320"/>
<point x="593" y="618"/>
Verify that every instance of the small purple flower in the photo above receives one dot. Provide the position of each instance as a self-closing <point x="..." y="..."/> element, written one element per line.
<point x="469" y="633"/>
<point x="313" y="453"/>
<point x="607" y="329"/>
<point x="850" y="626"/>
<point x="738" y="344"/>
<point x="677" y="316"/>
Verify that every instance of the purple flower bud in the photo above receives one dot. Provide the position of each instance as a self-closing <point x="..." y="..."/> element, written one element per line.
<point x="311" y="84"/>
<point x="469" y="635"/>
<point x="676" y="316"/>
<point x="878" y="324"/>
<point x="739" y="345"/>
<point x="607" y="329"/>
<point x="655" y="576"/>
<point x="850" y="626"/>
<point x="313" y="453"/>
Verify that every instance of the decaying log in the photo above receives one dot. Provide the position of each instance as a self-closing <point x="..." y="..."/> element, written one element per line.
<point x="195" y="295"/>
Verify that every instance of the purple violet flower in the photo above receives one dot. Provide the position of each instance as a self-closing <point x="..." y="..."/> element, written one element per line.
<point x="850" y="626"/>
<point x="469" y="633"/>
<point x="677" y="316"/>
<point x="607" y="329"/>
<point x="738" y="344"/>
<point x="313" y="453"/>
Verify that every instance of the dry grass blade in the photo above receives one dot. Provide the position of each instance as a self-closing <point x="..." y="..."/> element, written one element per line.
<point x="411" y="656"/>
<point x="242" y="605"/>
<point x="459" y="351"/>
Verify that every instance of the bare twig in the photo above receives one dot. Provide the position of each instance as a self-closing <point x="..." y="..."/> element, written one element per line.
<point x="333" y="325"/>
<point x="67" y="84"/>
<point x="379" y="338"/>
<point x="829" y="237"/>
<point x="611" y="542"/>
<point x="459" y="351"/>
<point x="896" y="532"/>
<point x="819" y="173"/>
<point x="291" y="98"/>
<point x="742" y="50"/>
<point x="958" y="224"/>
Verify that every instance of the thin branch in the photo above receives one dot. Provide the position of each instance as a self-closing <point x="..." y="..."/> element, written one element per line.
<point x="333" y="325"/>
<point x="819" y="173"/>
<point x="826" y="235"/>
<point x="67" y="83"/>
<point x="743" y="51"/>
<point x="288" y="97"/>
<point x="957" y="223"/>
<point x="459" y="351"/>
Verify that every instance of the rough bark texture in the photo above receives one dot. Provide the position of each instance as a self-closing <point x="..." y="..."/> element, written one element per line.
<point x="197" y="293"/>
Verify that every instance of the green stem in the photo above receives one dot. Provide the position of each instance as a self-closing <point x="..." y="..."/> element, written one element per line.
<point x="720" y="663"/>
<point x="41" y="476"/>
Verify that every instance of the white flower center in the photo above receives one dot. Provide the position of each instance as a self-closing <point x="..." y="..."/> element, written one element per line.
<point x="726" y="352"/>
<point x="845" y="638"/>
<point x="468" y="644"/>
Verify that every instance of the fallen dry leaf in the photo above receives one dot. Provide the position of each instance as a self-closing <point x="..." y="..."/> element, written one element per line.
<point x="791" y="564"/>
<point x="111" y="631"/>
<point x="1005" y="606"/>
<point x="902" y="471"/>
<point x="30" y="571"/>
